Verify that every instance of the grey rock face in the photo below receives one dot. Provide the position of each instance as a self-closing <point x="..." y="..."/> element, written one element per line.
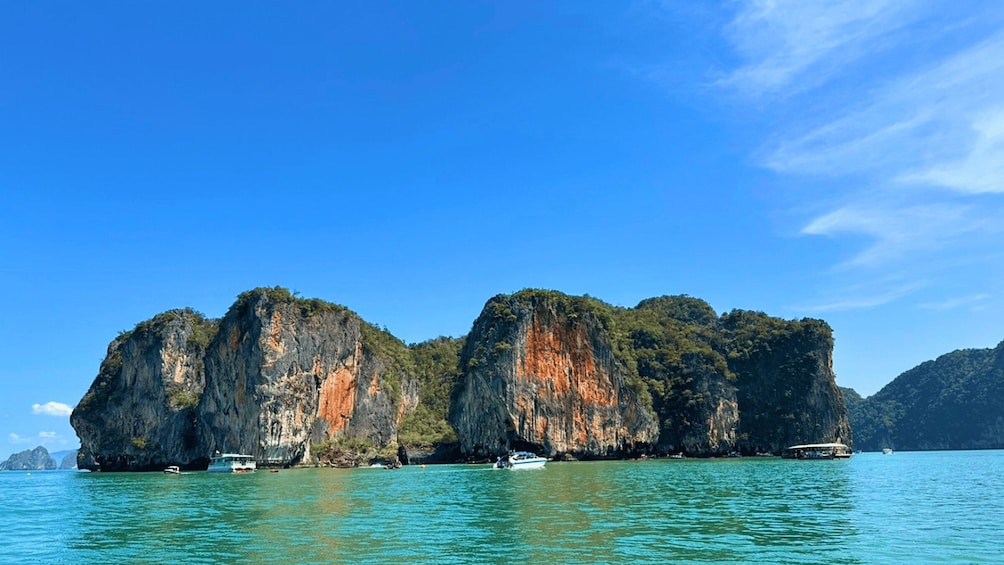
<point x="139" y="412"/>
<point x="37" y="459"/>
<point x="278" y="380"/>
<point x="69" y="461"/>
<point x="275" y="375"/>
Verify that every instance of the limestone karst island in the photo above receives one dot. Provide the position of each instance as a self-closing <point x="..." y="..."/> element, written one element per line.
<point x="295" y="381"/>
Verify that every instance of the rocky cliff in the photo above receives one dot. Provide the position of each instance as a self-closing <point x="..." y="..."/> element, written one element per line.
<point x="953" y="402"/>
<point x="540" y="374"/>
<point x="37" y="459"/>
<point x="274" y="376"/>
<point x="139" y="412"/>
<point x="676" y="345"/>
<point x="281" y="376"/>
<point x="572" y="375"/>
<point x="785" y="385"/>
<point x="66" y="459"/>
<point x="293" y="381"/>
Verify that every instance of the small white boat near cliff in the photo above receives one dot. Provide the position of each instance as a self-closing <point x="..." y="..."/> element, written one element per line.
<point x="886" y="451"/>
<point x="232" y="463"/>
<point x="172" y="470"/>
<point x="520" y="460"/>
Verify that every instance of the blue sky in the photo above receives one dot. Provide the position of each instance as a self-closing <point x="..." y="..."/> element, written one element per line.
<point x="840" y="160"/>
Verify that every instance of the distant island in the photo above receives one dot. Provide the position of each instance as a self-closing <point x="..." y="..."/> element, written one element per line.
<point x="39" y="459"/>
<point x="953" y="402"/>
<point x="296" y="381"/>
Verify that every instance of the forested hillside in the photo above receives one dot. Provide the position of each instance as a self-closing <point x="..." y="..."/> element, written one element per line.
<point x="953" y="402"/>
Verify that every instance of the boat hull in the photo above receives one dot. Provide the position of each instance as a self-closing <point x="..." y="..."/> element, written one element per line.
<point x="232" y="463"/>
<point x="234" y="469"/>
<point x="537" y="463"/>
<point x="521" y="460"/>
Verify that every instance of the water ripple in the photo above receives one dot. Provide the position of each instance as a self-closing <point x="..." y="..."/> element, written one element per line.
<point x="872" y="509"/>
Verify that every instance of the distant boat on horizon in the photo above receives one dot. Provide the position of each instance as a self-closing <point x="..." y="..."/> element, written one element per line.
<point x="886" y="451"/>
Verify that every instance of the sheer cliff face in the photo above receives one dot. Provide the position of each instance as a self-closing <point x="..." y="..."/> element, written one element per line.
<point x="277" y="380"/>
<point x="707" y="420"/>
<point x="269" y="379"/>
<point x="139" y="412"/>
<point x="786" y="388"/>
<point x="537" y="376"/>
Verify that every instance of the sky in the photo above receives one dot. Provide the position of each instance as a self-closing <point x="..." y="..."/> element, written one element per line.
<point x="840" y="160"/>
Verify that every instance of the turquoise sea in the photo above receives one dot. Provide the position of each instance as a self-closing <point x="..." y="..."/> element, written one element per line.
<point x="945" y="507"/>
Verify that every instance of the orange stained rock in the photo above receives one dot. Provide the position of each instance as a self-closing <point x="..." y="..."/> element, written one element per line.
<point x="275" y="347"/>
<point x="337" y="398"/>
<point x="338" y="393"/>
<point x="275" y="327"/>
<point x="561" y="357"/>
<point x="234" y="340"/>
<point x="374" y="384"/>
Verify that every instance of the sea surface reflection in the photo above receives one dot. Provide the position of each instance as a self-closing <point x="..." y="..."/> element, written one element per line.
<point x="869" y="509"/>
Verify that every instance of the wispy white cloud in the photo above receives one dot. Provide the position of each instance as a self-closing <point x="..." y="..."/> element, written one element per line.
<point x="956" y="302"/>
<point x="979" y="171"/>
<point x="897" y="230"/>
<point x="793" y="44"/>
<point x="941" y="125"/>
<point x="897" y="108"/>
<point x="858" y="298"/>
<point x="51" y="409"/>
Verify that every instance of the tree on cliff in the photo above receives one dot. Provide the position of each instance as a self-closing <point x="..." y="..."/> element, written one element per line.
<point x="437" y="370"/>
<point x="675" y="347"/>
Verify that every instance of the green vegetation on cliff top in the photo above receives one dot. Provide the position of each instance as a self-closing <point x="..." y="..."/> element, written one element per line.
<point x="199" y="331"/>
<point x="308" y="306"/>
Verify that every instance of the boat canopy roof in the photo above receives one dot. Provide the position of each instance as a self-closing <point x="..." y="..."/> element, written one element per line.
<point x="817" y="446"/>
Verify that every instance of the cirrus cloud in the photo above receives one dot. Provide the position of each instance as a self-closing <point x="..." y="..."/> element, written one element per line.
<point x="890" y="115"/>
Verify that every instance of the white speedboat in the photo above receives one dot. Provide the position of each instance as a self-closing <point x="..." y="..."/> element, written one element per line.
<point x="172" y="470"/>
<point x="520" y="460"/>
<point x="232" y="463"/>
<point x="886" y="451"/>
